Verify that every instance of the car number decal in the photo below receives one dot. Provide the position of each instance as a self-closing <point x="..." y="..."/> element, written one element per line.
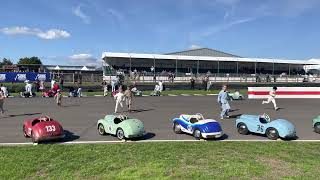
<point x="260" y="128"/>
<point x="50" y="128"/>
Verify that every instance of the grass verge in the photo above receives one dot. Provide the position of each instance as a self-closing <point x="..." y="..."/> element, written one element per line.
<point x="178" y="160"/>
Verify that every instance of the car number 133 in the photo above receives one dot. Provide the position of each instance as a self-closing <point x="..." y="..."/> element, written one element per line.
<point x="50" y="128"/>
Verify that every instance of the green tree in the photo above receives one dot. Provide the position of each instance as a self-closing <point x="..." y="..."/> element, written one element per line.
<point x="5" y="61"/>
<point x="31" y="60"/>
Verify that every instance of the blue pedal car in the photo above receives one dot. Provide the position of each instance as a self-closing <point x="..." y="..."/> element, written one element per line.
<point x="197" y="126"/>
<point x="262" y="124"/>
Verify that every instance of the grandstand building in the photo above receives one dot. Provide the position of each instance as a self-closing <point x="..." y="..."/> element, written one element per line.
<point x="203" y="60"/>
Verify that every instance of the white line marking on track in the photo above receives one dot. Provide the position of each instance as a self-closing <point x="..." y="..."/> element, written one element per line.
<point x="172" y="95"/>
<point x="149" y="141"/>
<point x="185" y="95"/>
<point x="198" y="94"/>
<point x="212" y="94"/>
<point x="98" y="95"/>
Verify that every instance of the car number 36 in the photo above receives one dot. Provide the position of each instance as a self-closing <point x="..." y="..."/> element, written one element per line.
<point x="260" y="128"/>
<point x="50" y="128"/>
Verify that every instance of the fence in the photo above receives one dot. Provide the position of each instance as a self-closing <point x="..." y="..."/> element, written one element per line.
<point x="93" y="78"/>
<point x="220" y="78"/>
<point x="83" y="77"/>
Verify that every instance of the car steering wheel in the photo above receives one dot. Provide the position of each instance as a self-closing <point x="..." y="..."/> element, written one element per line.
<point x="266" y="117"/>
<point x="122" y="117"/>
<point x="48" y="118"/>
<point x="200" y="115"/>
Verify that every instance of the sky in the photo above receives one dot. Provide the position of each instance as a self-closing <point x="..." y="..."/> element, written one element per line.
<point x="76" y="32"/>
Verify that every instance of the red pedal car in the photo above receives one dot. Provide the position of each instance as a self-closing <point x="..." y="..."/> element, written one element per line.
<point x="42" y="128"/>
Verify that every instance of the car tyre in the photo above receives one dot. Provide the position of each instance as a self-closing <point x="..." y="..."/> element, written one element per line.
<point x="101" y="130"/>
<point x="177" y="128"/>
<point x="243" y="129"/>
<point x="272" y="133"/>
<point x="24" y="132"/>
<point x="120" y="134"/>
<point x="317" y="127"/>
<point x="197" y="134"/>
<point x="33" y="138"/>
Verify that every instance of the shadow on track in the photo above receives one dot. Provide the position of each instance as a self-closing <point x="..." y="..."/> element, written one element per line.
<point x="69" y="136"/>
<point x="17" y="115"/>
<point x="223" y="137"/>
<point x="234" y="116"/>
<point x="147" y="136"/>
<point x="140" y="110"/>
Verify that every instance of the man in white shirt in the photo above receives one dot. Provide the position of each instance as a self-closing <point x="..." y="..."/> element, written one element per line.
<point x="160" y="86"/>
<point x="28" y="88"/>
<point x="272" y="98"/>
<point x="119" y="97"/>
<point x="4" y="91"/>
<point x="52" y="83"/>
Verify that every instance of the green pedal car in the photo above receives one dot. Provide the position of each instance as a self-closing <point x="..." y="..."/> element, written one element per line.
<point x="121" y="126"/>
<point x="316" y="124"/>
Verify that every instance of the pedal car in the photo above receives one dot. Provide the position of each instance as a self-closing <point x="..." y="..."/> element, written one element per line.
<point x="316" y="124"/>
<point x="198" y="126"/>
<point x="49" y="93"/>
<point x="236" y="96"/>
<point x="262" y="124"/>
<point x="121" y="126"/>
<point x="42" y="129"/>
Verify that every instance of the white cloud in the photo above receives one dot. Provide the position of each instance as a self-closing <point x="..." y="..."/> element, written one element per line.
<point x="83" y="59"/>
<point x="116" y="14"/>
<point x="222" y="27"/>
<point x="228" y="2"/>
<point x="22" y="30"/>
<point x="194" y="46"/>
<point x="79" y="13"/>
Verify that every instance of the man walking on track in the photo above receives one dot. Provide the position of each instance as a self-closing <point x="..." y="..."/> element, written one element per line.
<point x="272" y="98"/>
<point x="119" y="97"/>
<point x="2" y="97"/>
<point x="223" y="101"/>
<point x="128" y="96"/>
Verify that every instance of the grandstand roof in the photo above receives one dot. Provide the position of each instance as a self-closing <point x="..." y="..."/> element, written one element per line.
<point x="202" y="52"/>
<point x="202" y="58"/>
<point x="71" y="68"/>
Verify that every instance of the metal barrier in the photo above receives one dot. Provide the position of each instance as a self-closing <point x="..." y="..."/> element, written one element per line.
<point x="226" y="79"/>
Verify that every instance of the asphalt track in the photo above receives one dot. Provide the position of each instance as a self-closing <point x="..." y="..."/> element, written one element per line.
<point x="79" y="116"/>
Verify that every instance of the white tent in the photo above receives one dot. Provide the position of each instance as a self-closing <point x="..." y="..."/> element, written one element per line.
<point x="57" y="68"/>
<point x="84" y="68"/>
<point x="315" y="61"/>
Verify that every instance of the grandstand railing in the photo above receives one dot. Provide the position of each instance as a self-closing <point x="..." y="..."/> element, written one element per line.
<point x="220" y="78"/>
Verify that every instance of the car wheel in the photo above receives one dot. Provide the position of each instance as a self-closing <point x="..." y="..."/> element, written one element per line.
<point x="197" y="134"/>
<point x="243" y="129"/>
<point x="177" y="128"/>
<point x="317" y="127"/>
<point x="120" y="134"/>
<point x="101" y="130"/>
<point x="24" y="132"/>
<point x="272" y="133"/>
<point x="33" y="138"/>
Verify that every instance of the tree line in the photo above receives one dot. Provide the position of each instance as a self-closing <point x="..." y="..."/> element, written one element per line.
<point x="25" y="60"/>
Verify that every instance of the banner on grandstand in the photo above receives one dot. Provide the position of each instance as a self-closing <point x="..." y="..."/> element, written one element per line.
<point x="284" y="92"/>
<point x="23" y="76"/>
